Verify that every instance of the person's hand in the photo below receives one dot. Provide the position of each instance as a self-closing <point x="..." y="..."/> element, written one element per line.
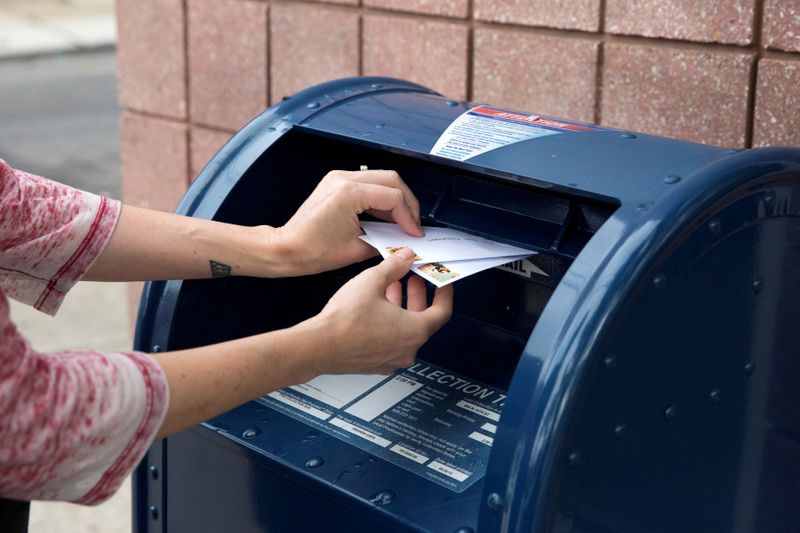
<point x="323" y="233"/>
<point x="364" y="329"/>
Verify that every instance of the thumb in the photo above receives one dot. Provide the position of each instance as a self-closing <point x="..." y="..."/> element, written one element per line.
<point x="394" y="267"/>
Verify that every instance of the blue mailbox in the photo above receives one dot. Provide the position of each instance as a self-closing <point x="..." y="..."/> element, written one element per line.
<point x="640" y="374"/>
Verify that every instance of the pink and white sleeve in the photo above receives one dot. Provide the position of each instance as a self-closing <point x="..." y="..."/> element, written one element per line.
<point x="50" y="234"/>
<point x="74" y="423"/>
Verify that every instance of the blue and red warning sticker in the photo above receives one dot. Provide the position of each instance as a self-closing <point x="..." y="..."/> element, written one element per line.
<point x="485" y="128"/>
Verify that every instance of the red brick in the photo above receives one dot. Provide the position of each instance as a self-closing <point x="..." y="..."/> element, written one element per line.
<point x="151" y="58"/>
<point x="449" y="8"/>
<point x="227" y="61"/>
<point x="565" y="14"/>
<point x="346" y="2"/>
<point x="431" y="53"/>
<point x="781" y="25"/>
<point x="154" y="161"/>
<point x="549" y="75"/>
<point x="718" y="21"/>
<point x="777" y="117"/>
<point x="204" y="144"/>
<point x="310" y="44"/>
<point x="687" y="94"/>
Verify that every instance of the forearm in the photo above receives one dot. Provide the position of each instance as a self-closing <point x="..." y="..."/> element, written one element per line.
<point x="205" y="382"/>
<point x="149" y="245"/>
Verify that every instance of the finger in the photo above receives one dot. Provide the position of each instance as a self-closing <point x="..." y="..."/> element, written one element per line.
<point x="392" y="268"/>
<point x="416" y="298"/>
<point x="381" y="198"/>
<point x="440" y="310"/>
<point x="394" y="293"/>
<point x="389" y="178"/>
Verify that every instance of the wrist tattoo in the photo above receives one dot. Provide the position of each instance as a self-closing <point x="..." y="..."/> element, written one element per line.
<point x="219" y="270"/>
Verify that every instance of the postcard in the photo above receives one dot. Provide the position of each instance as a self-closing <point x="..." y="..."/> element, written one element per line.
<point x="441" y="274"/>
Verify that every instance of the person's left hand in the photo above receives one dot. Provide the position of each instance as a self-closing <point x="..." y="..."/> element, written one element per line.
<point x="323" y="233"/>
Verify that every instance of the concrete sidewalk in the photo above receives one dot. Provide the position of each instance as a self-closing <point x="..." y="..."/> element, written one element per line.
<point x="33" y="27"/>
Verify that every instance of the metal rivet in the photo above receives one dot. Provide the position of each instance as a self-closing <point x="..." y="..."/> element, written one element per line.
<point x="769" y="200"/>
<point x="574" y="458"/>
<point x="672" y="178"/>
<point x="641" y="207"/>
<point x="451" y="103"/>
<point x="379" y="126"/>
<point x="749" y="368"/>
<point x="156" y="348"/>
<point x="670" y="413"/>
<point x="610" y="362"/>
<point x="312" y="105"/>
<point x="464" y="529"/>
<point x="659" y="281"/>
<point x="628" y="136"/>
<point x="714" y="226"/>
<point x="271" y="128"/>
<point x="153" y="512"/>
<point x="715" y="395"/>
<point x="620" y="430"/>
<point x="315" y="462"/>
<point x="494" y="501"/>
<point x="153" y="471"/>
<point x="758" y="284"/>
<point x="250" y="433"/>
<point x="384" y="497"/>
<point x="376" y="85"/>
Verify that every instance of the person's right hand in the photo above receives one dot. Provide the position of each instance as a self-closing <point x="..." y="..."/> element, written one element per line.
<point x="365" y="330"/>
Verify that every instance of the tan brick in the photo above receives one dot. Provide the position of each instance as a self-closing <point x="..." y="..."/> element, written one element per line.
<point x="344" y="2"/>
<point x="151" y="58"/>
<point x="718" y="21"/>
<point x="227" y="61"/>
<point x="777" y="116"/>
<point x="449" y="8"/>
<point x="204" y="144"/>
<point x="781" y="25"/>
<point x="565" y="14"/>
<point x="154" y="161"/>
<point x="687" y="94"/>
<point x="431" y="53"/>
<point x="548" y="75"/>
<point x="310" y="44"/>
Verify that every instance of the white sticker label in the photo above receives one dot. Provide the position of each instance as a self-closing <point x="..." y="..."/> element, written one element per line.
<point x="469" y="406"/>
<point x="480" y="437"/>
<point x="411" y="454"/>
<point x="447" y="471"/>
<point x="363" y="433"/>
<point x="484" y="128"/>
<point x="297" y="404"/>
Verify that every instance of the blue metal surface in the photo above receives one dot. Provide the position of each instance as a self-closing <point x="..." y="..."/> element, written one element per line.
<point x="651" y="378"/>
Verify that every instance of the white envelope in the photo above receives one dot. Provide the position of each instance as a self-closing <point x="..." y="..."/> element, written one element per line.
<point x="438" y="244"/>
<point x="442" y="273"/>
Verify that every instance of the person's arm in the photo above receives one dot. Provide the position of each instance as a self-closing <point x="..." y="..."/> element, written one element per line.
<point x="363" y="329"/>
<point x="76" y="422"/>
<point x="322" y="235"/>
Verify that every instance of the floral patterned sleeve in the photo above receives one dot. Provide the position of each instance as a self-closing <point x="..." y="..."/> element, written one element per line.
<point x="74" y="423"/>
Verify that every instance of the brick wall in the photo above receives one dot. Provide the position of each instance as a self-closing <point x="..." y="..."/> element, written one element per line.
<point x="191" y="72"/>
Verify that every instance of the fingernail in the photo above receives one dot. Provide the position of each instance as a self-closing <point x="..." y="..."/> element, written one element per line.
<point x="405" y="253"/>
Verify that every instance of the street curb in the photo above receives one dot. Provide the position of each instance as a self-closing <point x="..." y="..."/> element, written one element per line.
<point x="56" y="52"/>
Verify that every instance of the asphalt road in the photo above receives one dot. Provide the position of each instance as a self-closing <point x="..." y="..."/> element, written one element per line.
<point x="59" y="119"/>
